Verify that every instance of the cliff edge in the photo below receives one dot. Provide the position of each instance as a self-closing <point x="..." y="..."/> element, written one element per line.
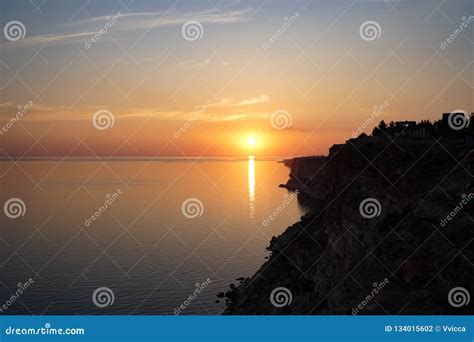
<point x="391" y="232"/>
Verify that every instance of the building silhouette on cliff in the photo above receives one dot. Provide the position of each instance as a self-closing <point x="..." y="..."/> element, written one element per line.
<point x="455" y="125"/>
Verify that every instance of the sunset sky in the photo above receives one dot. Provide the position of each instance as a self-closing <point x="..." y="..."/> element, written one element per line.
<point x="207" y="97"/>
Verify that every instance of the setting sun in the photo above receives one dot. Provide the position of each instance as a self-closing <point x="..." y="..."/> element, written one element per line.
<point x="251" y="141"/>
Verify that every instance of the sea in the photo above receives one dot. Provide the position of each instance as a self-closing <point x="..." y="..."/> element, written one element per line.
<point x="135" y="236"/>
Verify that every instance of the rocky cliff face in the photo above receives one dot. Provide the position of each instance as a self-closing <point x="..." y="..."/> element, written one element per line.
<point x="303" y="171"/>
<point x="378" y="240"/>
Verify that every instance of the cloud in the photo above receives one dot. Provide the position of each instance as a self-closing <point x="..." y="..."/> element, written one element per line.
<point x="222" y="111"/>
<point x="199" y="64"/>
<point x="41" y="112"/>
<point x="84" y="29"/>
<point x="246" y="102"/>
<point x="51" y="39"/>
<point x="194" y="63"/>
<point x="254" y="100"/>
<point x="235" y="117"/>
<point x="138" y="20"/>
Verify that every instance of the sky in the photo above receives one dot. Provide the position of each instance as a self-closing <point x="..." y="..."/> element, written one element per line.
<point x="203" y="78"/>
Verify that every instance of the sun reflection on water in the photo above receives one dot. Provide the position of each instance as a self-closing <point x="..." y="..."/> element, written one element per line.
<point x="251" y="169"/>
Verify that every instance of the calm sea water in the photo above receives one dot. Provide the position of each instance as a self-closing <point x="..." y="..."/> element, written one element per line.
<point x="141" y="246"/>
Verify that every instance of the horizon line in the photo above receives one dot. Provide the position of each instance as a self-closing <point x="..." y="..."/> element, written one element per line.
<point x="145" y="158"/>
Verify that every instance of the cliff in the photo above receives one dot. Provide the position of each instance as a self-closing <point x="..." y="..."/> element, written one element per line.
<point x="303" y="171"/>
<point x="398" y="254"/>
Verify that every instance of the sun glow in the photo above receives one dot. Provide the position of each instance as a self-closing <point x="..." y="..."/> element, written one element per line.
<point x="251" y="141"/>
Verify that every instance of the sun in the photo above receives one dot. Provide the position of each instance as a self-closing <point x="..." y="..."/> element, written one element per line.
<point x="251" y="141"/>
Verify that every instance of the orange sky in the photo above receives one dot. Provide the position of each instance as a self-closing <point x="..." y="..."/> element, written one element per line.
<point x="168" y="95"/>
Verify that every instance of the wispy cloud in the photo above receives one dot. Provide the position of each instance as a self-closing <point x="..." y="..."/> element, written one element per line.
<point x="194" y="63"/>
<point x="199" y="64"/>
<point x="62" y="113"/>
<point x="81" y="30"/>
<point x="220" y="111"/>
<point x="235" y="117"/>
<point x="245" y="102"/>
<point x="140" y="20"/>
<point x="51" y="39"/>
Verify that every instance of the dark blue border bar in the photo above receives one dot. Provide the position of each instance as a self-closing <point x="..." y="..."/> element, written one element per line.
<point x="239" y="328"/>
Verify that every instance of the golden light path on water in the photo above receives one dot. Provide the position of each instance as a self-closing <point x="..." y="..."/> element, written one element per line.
<point x="251" y="171"/>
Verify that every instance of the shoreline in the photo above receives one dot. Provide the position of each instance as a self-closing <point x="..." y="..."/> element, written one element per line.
<point x="330" y="260"/>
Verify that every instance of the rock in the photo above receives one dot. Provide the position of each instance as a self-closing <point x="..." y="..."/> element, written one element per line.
<point x="331" y="259"/>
